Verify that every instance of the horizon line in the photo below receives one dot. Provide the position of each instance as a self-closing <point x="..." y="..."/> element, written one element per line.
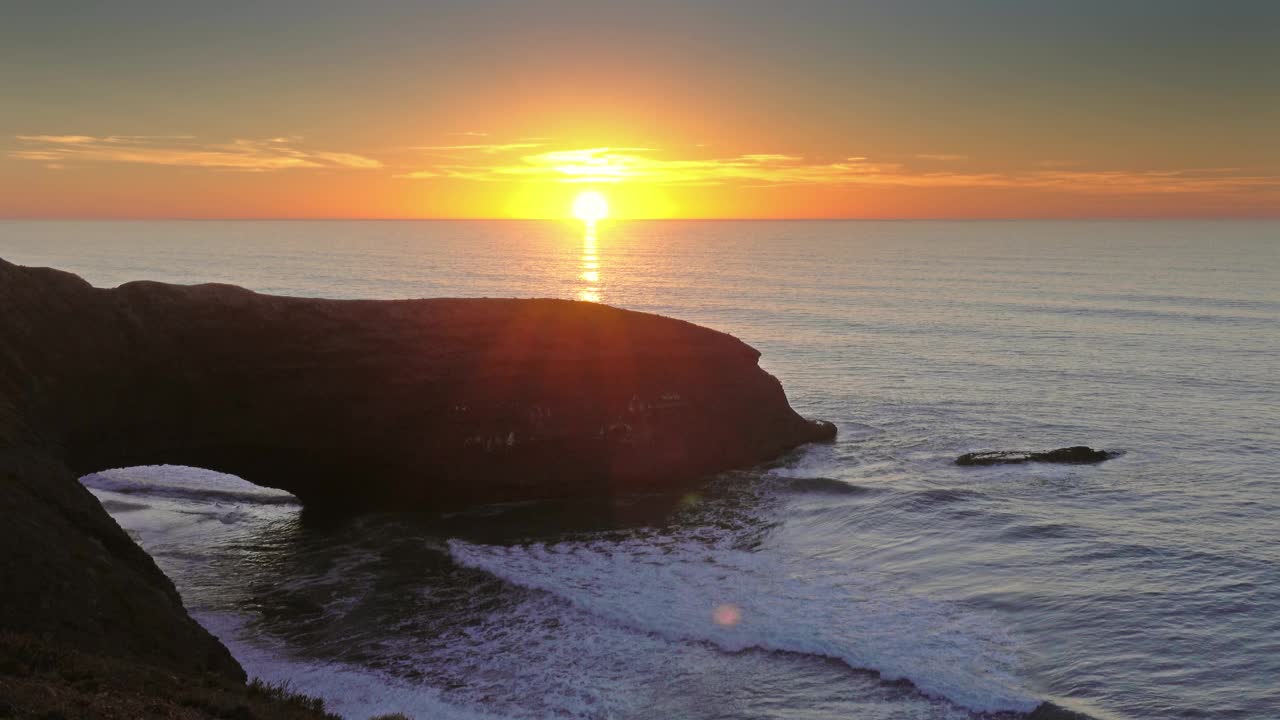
<point x="1012" y="218"/>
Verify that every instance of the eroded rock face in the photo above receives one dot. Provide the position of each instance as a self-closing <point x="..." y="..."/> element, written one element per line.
<point x="69" y="575"/>
<point x="346" y="404"/>
<point x="1076" y="455"/>
<point x="351" y="404"/>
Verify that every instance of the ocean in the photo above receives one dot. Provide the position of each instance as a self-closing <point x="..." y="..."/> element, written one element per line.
<point x="870" y="578"/>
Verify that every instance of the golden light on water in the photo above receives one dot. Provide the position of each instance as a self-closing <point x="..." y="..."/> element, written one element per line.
<point x="590" y="207"/>
<point x="590" y="291"/>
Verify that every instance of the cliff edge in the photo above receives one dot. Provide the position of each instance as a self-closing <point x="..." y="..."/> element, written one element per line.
<point x="347" y="404"/>
<point x="352" y="403"/>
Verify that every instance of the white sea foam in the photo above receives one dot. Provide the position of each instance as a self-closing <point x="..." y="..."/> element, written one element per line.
<point x="610" y="603"/>
<point x="685" y="591"/>
<point x="350" y="691"/>
<point x="176" y="509"/>
<point x="178" y="481"/>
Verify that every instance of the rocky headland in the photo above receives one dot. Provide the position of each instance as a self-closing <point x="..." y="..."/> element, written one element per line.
<point x="347" y="404"/>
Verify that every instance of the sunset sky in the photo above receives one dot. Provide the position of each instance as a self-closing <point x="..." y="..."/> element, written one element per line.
<point x="670" y="109"/>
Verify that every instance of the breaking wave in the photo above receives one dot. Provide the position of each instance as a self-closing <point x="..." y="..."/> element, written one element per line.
<point x="686" y="590"/>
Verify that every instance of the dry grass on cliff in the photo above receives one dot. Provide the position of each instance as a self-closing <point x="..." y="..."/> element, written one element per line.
<point x="52" y="682"/>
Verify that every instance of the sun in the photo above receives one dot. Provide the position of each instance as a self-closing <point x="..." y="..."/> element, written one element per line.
<point x="590" y="206"/>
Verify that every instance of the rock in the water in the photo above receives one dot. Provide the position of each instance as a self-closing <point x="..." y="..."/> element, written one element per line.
<point x="1049" y="711"/>
<point x="824" y="431"/>
<point x="1077" y="455"/>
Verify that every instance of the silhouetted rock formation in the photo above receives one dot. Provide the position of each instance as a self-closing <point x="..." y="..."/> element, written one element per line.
<point x="353" y="404"/>
<point x="72" y="576"/>
<point x="346" y="404"/>
<point x="1077" y="455"/>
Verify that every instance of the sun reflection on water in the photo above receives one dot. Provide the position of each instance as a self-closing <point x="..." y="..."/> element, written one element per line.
<point x="590" y="276"/>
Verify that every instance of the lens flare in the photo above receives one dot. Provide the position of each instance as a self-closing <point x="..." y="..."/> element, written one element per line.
<point x="727" y="615"/>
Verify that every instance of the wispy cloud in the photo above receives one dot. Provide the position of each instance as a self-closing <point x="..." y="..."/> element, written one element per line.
<point x="486" y="148"/>
<point x="649" y="166"/>
<point x="58" y="139"/>
<point x="279" y="153"/>
<point x="530" y="160"/>
<point x="636" y="164"/>
<point x="1156" y="182"/>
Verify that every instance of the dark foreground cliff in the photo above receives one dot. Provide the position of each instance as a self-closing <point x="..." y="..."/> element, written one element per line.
<point x="346" y="404"/>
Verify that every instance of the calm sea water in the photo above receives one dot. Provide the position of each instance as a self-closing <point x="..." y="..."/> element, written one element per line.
<point x="866" y="579"/>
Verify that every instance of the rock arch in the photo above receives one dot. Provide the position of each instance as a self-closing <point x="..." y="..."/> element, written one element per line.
<point x="345" y="404"/>
<point x="369" y="403"/>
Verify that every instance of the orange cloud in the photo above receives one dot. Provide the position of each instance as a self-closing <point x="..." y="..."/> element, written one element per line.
<point x="528" y="161"/>
<point x="487" y="148"/>
<point x="185" y="151"/>
<point x="604" y="165"/>
<point x="58" y="139"/>
<point x="640" y="165"/>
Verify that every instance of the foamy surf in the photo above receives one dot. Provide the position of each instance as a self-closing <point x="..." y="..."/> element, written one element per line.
<point x="645" y="599"/>
<point x="350" y="691"/>
<point x="684" y="590"/>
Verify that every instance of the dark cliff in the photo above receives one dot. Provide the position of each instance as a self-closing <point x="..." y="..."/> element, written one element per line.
<point x="359" y="403"/>
<point x="346" y="404"/>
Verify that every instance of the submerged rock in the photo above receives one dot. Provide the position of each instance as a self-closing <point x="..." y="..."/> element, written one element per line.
<point x="1077" y="455"/>
<point x="1050" y="711"/>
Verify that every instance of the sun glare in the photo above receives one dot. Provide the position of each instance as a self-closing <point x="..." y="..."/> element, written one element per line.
<point x="590" y="206"/>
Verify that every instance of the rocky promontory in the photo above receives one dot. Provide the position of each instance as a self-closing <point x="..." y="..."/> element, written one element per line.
<point x="348" y="404"/>
<point x="406" y="403"/>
